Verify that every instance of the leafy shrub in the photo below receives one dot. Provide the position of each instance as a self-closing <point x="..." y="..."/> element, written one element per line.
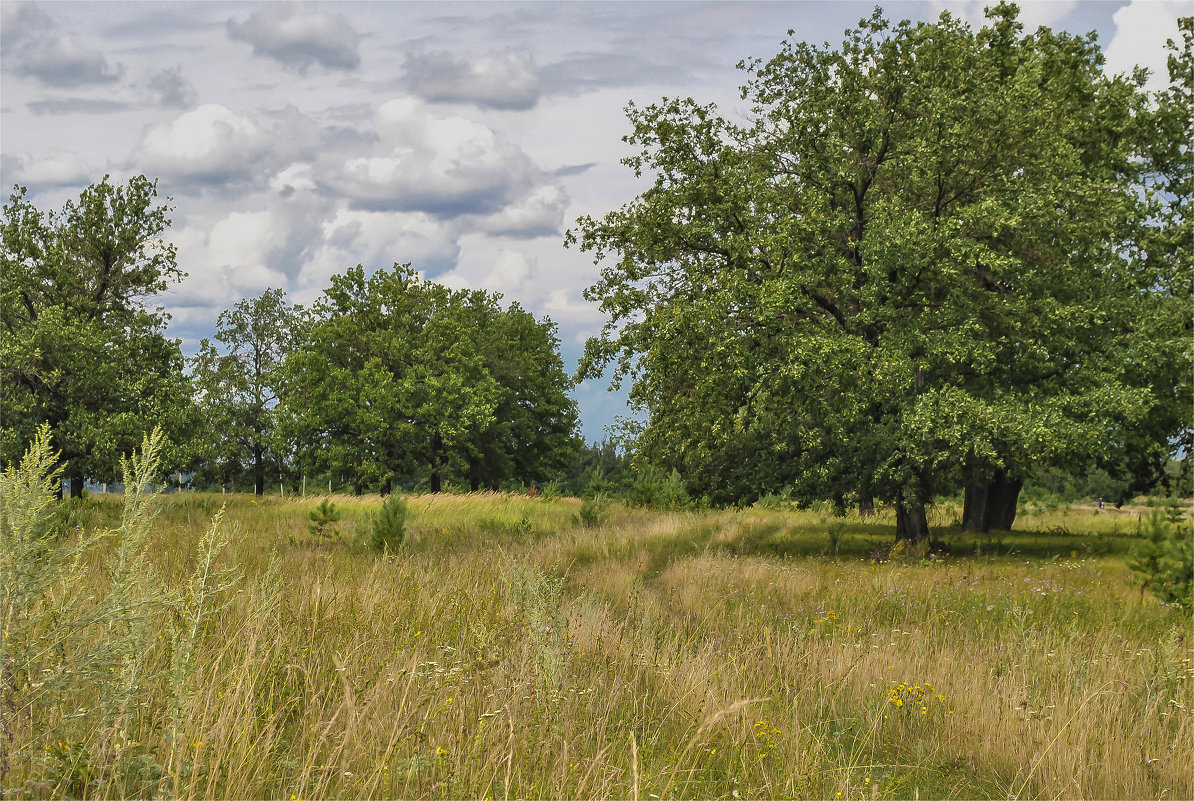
<point x="593" y="512"/>
<point x="323" y="519"/>
<point x="388" y="529"/>
<point x="1164" y="561"/>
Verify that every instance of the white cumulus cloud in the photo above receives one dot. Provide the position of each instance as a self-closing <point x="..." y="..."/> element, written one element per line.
<point x="376" y="239"/>
<point x="1141" y="29"/>
<point x="510" y="274"/>
<point x="210" y="143"/>
<point x="57" y="168"/>
<point x="446" y="166"/>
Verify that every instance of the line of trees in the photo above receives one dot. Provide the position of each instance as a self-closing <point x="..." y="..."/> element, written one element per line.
<point x="388" y="380"/>
<point x="932" y="260"/>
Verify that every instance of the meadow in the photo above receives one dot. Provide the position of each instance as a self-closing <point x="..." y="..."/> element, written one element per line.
<point x="509" y="651"/>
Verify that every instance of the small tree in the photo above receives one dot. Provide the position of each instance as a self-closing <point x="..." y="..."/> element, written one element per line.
<point x="388" y="529"/>
<point x="238" y="388"/>
<point x="323" y="519"/>
<point x="1164" y="561"/>
<point x="389" y="526"/>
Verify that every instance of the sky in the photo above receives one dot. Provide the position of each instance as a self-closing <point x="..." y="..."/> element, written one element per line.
<point x="298" y="139"/>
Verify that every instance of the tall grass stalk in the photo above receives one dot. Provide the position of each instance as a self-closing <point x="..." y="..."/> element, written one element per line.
<point x="84" y="649"/>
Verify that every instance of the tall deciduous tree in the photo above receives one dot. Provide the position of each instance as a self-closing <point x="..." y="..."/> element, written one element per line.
<point x="917" y="269"/>
<point x="399" y="378"/>
<point x="238" y="387"/>
<point x="384" y="381"/>
<point x="533" y="433"/>
<point x="83" y="346"/>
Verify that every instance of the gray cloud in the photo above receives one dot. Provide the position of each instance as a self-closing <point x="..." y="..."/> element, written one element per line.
<point x="503" y="80"/>
<point x="297" y="36"/>
<point x="170" y="89"/>
<point x="574" y="169"/>
<point x="77" y="105"/>
<point x="584" y="72"/>
<point x="21" y="21"/>
<point x="63" y="61"/>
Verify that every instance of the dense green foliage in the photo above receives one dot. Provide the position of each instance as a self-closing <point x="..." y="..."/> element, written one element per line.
<point x="82" y="348"/>
<point x="402" y="380"/>
<point x="237" y="391"/>
<point x="389" y="378"/>
<point x="921" y="266"/>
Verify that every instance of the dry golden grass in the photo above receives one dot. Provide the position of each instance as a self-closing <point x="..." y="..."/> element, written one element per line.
<point x="508" y="653"/>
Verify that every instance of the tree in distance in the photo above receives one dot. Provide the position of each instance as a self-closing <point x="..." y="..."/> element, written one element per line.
<point x="397" y="378"/>
<point x="919" y="267"/>
<point x="238" y="390"/>
<point x="83" y="347"/>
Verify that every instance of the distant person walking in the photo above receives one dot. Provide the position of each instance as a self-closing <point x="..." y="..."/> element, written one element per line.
<point x="1100" y="501"/>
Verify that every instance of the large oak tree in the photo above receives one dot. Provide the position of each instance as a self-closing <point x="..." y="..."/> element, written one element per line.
<point x="917" y="267"/>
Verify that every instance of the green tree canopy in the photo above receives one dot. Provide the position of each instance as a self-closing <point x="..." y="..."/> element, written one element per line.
<point x="917" y="267"/>
<point x="399" y="379"/>
<point x="238" y="389"/>
<point x="82" y="347"/>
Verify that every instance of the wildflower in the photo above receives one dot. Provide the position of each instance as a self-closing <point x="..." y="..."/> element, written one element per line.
<point x="441" y="751"/>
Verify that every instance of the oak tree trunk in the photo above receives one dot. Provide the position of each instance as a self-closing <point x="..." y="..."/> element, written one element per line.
<point x="991" y="505"/>
<point x="912" y="523"/>
<point x="866" y="505"/>
<point x="76" y="483"/>
<point x="258" y="471"/>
